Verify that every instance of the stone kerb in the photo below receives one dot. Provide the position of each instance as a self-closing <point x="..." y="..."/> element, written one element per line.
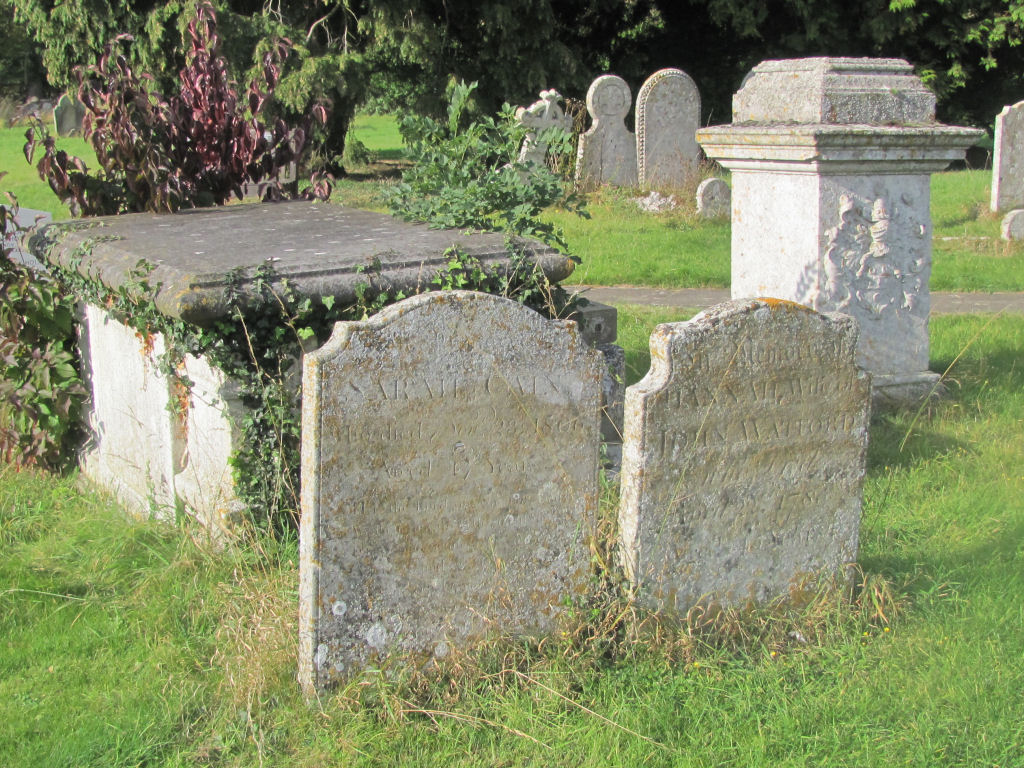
<point x="607" y="151"/>
<point x="449" y="480"/>
<point x="831" y="162"/>
<point x="667" y="119"/>
<point x="743" y="455"/>
<point x="1008" y="160"/>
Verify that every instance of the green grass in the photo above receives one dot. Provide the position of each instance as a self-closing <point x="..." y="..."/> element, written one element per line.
<point x="22" y="179"/>
<point x="620" y="245"/>
<point x="379" y="133"/>
<point x="125" y="644"/>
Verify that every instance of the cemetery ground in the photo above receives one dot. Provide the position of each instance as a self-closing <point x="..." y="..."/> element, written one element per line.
<point x="127" y="643"/>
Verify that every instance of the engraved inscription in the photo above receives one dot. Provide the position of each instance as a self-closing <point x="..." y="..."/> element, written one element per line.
<point x="743" y="456"/>
<point x="455" y="474"/>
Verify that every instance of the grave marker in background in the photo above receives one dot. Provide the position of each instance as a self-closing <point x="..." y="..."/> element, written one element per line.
<point x="68" y="116"/>
<point x="1008" y="160"/>
<point x="743" y="455"/>
<point x="607" y="152"/>
<point x="449" y="471"/>
<point x="667" y="119"/>
<point x="714" y="198"/>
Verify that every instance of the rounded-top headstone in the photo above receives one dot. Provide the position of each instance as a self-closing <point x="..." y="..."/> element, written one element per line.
<point x="714" y="198"/>
<point x="1013" y="225"/>
<point x="667" y="119"/>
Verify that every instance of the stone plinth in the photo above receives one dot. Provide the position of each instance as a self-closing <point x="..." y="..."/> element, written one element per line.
<point x="164" y="451"/>
<point x="831" y="162"/>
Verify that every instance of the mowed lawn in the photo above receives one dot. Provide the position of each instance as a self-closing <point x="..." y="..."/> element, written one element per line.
<point x="621" y="245"/>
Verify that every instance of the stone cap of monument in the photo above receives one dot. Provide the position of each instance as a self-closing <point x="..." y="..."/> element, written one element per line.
<point x="834" y="91"/>
<point x="207" y="261"/>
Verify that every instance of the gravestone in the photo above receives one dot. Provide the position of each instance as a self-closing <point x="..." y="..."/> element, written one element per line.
<point x="541" y="116"/>
<point x="449" y="480"/>
<point x="24" y="219"/>
<point x="607" y="152"/>
<point x="831" y="162"/>
<point x="68" y="116"/>
<point x="714" y="198"/>
<point x="744" y="455"/>
<point x="667" y="119"/>
<point x="1012" y="227"/>
<point x="1008" y="160"/>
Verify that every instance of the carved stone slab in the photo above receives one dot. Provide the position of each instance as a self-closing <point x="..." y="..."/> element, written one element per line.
<point x="744" y="454"/>
<point x="667" y="119"/>
<point x="1008" y="160"/>
<point x="449" y="470"/>
<point x="607" y="152"/>
<point x="321" y="249"/>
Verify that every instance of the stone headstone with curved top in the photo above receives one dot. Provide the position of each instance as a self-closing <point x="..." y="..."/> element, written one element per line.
<point x="667" y="119"/>
<point x="449" y="480"/>
<point x="743" y="455"/>
<point x="607" y="152"/>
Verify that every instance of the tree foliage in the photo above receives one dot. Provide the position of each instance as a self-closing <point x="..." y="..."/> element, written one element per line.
<point x="406" y="53"/>
<point x="196" y="147"/>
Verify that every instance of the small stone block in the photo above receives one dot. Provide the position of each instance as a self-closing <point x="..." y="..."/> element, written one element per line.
<point x="1013" y="225"/>
<point x="714" y="198"/>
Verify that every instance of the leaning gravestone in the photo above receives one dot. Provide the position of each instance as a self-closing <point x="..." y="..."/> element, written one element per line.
<point x="68" y="116"/>
<point x="607" y="152"/>
<point x="743" y="454"/>
<point x="1008" y="160"/>
<point x="541" y="116"/>
<point x="714" y="198"/>
<point x="667" y="119"/>
<point x="449" y="480"/>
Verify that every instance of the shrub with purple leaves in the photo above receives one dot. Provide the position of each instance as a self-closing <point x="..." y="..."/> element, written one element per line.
<point x="195" y="148"/>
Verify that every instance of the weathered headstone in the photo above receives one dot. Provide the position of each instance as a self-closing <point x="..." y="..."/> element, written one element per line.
<point x="607" y="152"/>
<point x="714" y="198"/>
<point x="1008" y="159"/>
<point x="1012" y="227"/>
<point x="541" y="116"/>
<point x="831" y="160"/>
<point x="449" y="480"/>
<point x="68" y="116"/>
<point x="744" y="455"/>
<point x="667" y="119"/>
<point x="24" y="219"/>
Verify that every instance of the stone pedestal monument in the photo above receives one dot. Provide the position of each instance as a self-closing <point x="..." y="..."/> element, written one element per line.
<point x="831" y="161"/>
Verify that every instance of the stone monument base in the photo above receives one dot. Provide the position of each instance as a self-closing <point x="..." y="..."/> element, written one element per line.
<point x="900" y="390"/>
